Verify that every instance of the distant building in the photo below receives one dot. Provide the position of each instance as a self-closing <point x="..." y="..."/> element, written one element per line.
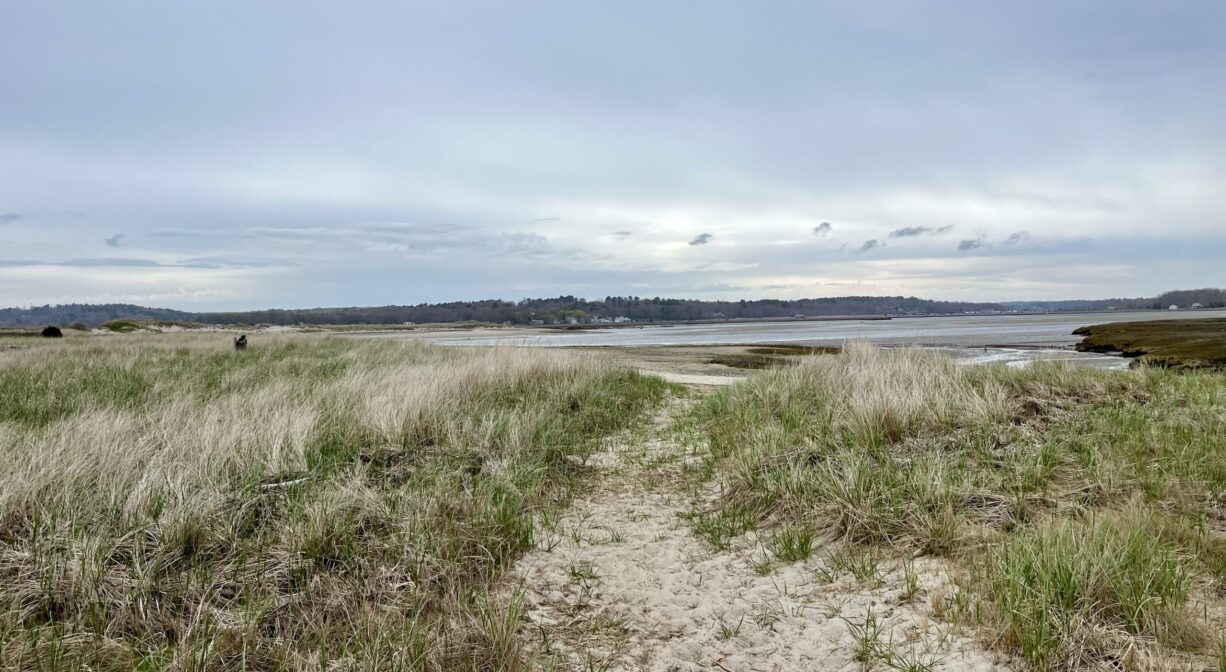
<point x="1197" y="306"/>
<point x="1173" y="307"/>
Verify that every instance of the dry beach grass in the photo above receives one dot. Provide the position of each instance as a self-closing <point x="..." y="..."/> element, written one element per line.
<point x="346" y="504"/>
<point x="311" y="503"/>
<point x="1083" y="507"/>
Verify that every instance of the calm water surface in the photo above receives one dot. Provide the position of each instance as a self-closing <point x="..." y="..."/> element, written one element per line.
<point x="1012" y="339"/>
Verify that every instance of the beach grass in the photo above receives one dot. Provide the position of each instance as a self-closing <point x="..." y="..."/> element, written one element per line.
<point x="311" y="503"/>
<point x="1083" y="506"/>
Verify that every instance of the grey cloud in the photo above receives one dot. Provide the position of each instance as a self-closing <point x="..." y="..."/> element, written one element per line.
<point x="912" y="231"/>
<point x="113" y="241"/>
<point x="541" y="220"/>
<point x="1016" y="238"/>
<point x="84" y="263"/>
<point x="702" y="239"/>
<point x="226" y="261"/>
<point x="870" y="245"/>
<point x="1110" y="129"/>
<point x="128" y="262"/>
<point x="622" y="235"/>
<point x="970" y="244"/>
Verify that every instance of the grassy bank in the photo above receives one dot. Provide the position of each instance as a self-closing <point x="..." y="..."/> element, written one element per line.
<point x="1185" y="344"/>
<point x="1082" y="505"/>
<point x="312" y="503"/>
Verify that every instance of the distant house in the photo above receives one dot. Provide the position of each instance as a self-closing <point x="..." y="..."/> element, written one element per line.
<point x="1197" y="306"/>
<point x="1173" y="307"/>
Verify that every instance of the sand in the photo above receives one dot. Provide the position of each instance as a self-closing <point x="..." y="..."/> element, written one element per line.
<point x="620" y="582"/>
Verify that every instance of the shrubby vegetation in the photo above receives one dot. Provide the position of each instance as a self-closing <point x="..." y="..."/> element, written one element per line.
<point x="310" y="503"/>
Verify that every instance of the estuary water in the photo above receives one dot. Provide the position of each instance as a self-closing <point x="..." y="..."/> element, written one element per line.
<point x="1010" y="338"/>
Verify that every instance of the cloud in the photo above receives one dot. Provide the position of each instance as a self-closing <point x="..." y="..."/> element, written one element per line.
<point x="622" y="235"/>
<point x="970" y="244"/>
<point x="446" y="191"/>
<point x="113" y="241"/>
<point x="870" y="245"/>
<point x="1016" y="238"/>
<point x="215" y="262"/>
<point x="912" y="231"/>
<point x="702" y="239"/>
<point x="84" y="263"/>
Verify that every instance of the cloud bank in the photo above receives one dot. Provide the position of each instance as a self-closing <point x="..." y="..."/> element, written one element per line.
<point x="457" y="159"/>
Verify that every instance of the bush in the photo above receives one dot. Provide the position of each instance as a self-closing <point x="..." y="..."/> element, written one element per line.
<point x="121" y="326"/>
<point x="52" y="332"/>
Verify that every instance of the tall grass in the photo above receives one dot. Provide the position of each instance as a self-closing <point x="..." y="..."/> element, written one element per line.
<point x="1083" y="503"/>
<point x="311" y="503"/>
<point x="878" y="445"/>
<point x="1059" y="580"/>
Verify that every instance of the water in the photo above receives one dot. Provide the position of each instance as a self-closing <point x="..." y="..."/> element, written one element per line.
<point x="1011" y="339"/>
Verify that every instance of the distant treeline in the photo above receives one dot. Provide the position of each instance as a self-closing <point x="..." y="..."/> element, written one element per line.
<point x="565" y="309"/>
<point x="1183" y="298"/>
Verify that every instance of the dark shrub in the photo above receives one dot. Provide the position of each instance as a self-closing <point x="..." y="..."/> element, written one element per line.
<point x="52" y="332"/>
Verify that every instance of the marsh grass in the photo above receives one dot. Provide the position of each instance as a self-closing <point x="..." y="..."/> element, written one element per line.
<point x="1056" y="579"/>
<point x="1084" y="505"/>
<point x="311" y="503"/>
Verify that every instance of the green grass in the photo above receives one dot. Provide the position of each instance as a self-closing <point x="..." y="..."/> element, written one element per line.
<point x="1195" y="343"/>
<point x="121" y="326"/>
<point x="1082" y="504"/>
<point x="769" y="356"/>
<point x="317" y="502"/>
<point x="1052" y="580"/>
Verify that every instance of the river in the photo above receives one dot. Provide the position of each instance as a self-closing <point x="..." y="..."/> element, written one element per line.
<point x="1011" y="338"/>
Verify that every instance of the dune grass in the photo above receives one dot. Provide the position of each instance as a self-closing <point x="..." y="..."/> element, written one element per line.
<point x="311" y="503"/>
<point x="1084" y="504"/>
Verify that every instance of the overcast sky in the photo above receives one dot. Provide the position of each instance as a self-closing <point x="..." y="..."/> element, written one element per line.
<point x="218" y="155"/>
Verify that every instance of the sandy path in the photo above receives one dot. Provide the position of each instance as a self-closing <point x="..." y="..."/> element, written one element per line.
<point x="620" y="582"/>
<point x="694" y="378"/>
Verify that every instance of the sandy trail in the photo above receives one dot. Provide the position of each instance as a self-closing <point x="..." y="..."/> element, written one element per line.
<point x="694" y="378"/>
<point x="620" y="582"/>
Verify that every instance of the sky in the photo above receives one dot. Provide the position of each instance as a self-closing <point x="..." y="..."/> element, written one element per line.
<point x="237" y="155"/>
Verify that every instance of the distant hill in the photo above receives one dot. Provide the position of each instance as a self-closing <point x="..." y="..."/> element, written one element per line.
<point x="564" y="309"/>
<point x="86" y="314"/>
